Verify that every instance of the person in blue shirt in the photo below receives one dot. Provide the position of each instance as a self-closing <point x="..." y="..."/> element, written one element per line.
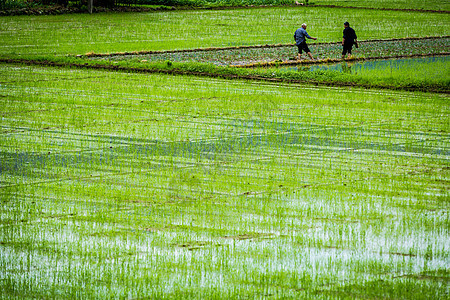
<point x="300" y="37"/>
<point x="349" y="39"/>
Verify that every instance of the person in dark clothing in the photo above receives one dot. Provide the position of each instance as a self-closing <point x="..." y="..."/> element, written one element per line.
<point x="348" y="40"/>
<point x="300" y="37"/>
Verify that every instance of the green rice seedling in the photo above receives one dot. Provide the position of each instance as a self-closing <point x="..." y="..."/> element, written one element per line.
<point x="134" y="185"/>
<point x="124" y="32"/>
<point x="426" y="74"/>
<point x="286" y="53"/>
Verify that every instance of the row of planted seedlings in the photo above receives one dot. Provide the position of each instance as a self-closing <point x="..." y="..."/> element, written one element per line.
<point x="254" y="55"/>
<point x="131" y="184"/>
<point x="111" y="33"/>
<point x="412" y="71"/>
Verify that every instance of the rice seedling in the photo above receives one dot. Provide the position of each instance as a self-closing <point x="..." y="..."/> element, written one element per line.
<point x="143" y="185"/>
<point x="407" y="71"/>
<point x="287" y="52"/>
<point x="111" y="33"/>
<point x="430" y="73"/>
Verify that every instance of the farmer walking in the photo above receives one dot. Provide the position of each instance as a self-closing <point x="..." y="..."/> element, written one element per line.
<point x="349" y="39"/>
<point x="300" y="37"/>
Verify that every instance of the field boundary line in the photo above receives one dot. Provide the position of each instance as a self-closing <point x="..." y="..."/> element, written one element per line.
<point x="93" y="54"/>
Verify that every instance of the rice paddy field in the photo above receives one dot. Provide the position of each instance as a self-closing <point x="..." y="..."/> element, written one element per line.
<point x="109" y="33"/>
<point x="133" y="185"/>
<point x="244" y="56"/>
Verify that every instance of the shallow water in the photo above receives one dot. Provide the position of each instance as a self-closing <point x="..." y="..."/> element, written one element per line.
<point x="355" y="67"/>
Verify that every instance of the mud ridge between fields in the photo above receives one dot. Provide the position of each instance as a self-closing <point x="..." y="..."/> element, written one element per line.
<point x="92" y="54"/>
<point x="47" y="63"/>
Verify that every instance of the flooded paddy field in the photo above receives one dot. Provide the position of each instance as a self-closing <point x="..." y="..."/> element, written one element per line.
<point x="282" y="53"/>
<point x="136" y="185"/>
<point x="355" y="67"/>
<point x="119" y="184"/>
<point x="419" y="64"/>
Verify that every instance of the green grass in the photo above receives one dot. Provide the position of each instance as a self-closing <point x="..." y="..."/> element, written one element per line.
<point x="117" y="32"/>
<point x="418" y="72"/>
<point x="136" y="185"/>
<point x="423" y="74"/>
